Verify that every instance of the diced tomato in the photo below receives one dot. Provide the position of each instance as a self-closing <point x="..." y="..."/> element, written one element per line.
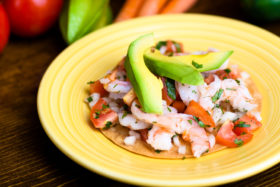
<point x="97" y="87"/>
<point x="228" y="138"/>
<point x="144" y="134"/>
<point x="198" y="111"/>
<point x="246" y="121"/>
<point x="101" y="115"/>
<point x="209" y="79"/>
<point x="224" y="74"/>
<point x="169" y="45"/>
<point x="165" y="95"/>
<point x="179" y="105"/>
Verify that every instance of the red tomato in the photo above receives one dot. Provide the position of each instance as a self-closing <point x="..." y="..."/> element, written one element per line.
<point x="4" y="28"/>
<point x="226" y="74"/>
<point x="101" y="115"/>
<point x="246" y="121"/>
<point x="97" y="87"/>
<point x="32" y="17"/>
<point x="228" y="138"/>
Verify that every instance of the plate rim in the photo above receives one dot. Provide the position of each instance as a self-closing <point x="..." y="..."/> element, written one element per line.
<point x="257" y="168"/>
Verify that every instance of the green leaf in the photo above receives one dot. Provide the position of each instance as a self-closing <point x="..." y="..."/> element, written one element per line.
<point x="170" y="85"/>
<point x="197" y="65"/>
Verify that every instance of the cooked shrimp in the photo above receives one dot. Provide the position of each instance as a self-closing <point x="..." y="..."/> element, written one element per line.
<point x="181" y="124"/>
<point x="238" y="95"/>
<point x="198" y="139"/>
<point x="128" y="120"/>
<point x="160" y="138"/>
<point x="115" y="82"/>
<point x="187" y="92"/>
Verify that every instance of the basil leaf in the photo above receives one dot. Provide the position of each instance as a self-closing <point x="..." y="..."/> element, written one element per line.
<point x="170" y="85"/>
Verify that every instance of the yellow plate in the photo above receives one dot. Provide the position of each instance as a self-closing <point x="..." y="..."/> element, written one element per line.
<point x="65" y="117"/>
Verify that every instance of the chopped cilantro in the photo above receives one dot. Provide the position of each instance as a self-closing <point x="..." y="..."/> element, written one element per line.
<point x="124" y="114"/>
<point x="157" y="151"/>
<point x="190" y="121"/>
<point x="118" y="77"/>
<point x="208" y="112"/>
<point x="243" y="133"/>
<point x="233" y="89"/>
<point x="105" y="106"/>
<point x="196" y="119"/>
<point x="206" y="151"/>
<point x="237" y="81"/>
<point x="168" y="109"/>
<point x="227" y="70"/>
<point x="90" y="82"/>
<point x="178" y="47"/>
<point x="97" y="115"/>
<point x="227" y="101"/>
<point x="242" y="124"/>
<point x="160" y="44"/>
<point x="193" y="91"/>
<point x="196" y="65"/>
<point x="115" y="85"/>
<point x="170" y="54"/>
<point x="170" y="86"/>
<point x="201" y="124"/>
<point x="217" y="95"/>
<point x="154" y="122"/>
<point x="238" y="142"/>
<point x="89" y="99"/>
<point x="183" y="158"/>
<point x="108" y="125"/>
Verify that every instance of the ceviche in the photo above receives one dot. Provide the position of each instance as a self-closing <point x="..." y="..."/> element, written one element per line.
<point x="162" y="101"/>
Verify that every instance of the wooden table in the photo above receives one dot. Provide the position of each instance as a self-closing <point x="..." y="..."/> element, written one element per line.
<point x="27" y="156"/>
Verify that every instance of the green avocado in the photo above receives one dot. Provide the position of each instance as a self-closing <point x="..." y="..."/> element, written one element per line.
<point x="206" y="62"/>
<point x="172" y="68"/>
<point x="145" y="84"/>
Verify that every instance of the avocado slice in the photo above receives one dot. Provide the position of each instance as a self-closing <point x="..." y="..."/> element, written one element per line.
<point x="146" y="85"/>
<point x="172" y="68"/>
<point x="206" y="62"/>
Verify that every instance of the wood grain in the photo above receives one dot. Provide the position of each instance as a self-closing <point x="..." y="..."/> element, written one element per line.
<point x="27" y="156"/>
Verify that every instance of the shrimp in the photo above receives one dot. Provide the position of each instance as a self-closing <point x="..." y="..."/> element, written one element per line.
<point x="160" y="138"/>
<point x="187" y="92"/>
<point x="179" y="123"/>
<point x="238" y="95"/>
<point x="115" y="82"/>
<point x="198" y="138"/>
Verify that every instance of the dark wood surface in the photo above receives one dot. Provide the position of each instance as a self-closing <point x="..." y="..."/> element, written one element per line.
<point x="27" y="156"/>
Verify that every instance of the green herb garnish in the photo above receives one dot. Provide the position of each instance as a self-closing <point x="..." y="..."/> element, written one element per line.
<point x="238" y="142"/>
<point x="105" y="106"/>
<point x="190" y="121"/>
<point x="193" y="91"/>
<point x="157" y="151"/>
<point x="242" y="124"/>
<point x="90" y="82"/>
<point x="227" y="71"/>
<point x="108" y="125"/>
<point x="160" y="44"/>
<point x="177" y="46"/>
<point x="201" y="124"/>
<point x="217" y="95"/>
<point x="97" y="115"/>
<point x="168" y="109"/>
<point x="89" y="99"/>
<point x="237" y="81"/>
<point x="124" y="114"/>
<point x="233" y="89"/>
<point x="197" y="65"/>
<point x="196" y="119"/>
<point x="115" y="85"/>
<point x="170" y="85"/>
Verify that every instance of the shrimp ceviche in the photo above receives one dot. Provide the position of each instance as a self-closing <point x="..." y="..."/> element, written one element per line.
<point x="164" y="102"/>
